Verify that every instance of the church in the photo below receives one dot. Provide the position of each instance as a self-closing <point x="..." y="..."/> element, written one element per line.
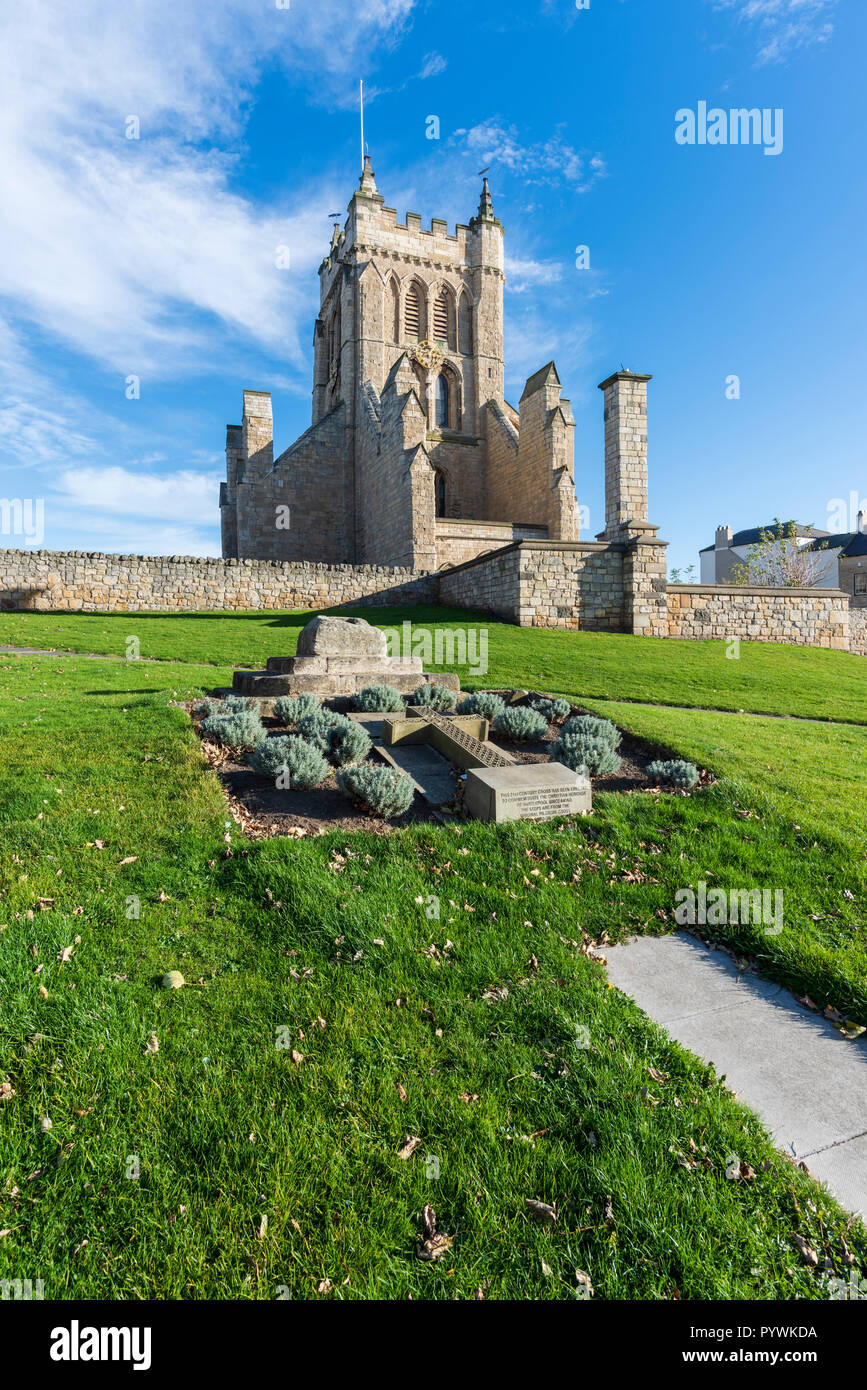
<point x="414" y="458"/>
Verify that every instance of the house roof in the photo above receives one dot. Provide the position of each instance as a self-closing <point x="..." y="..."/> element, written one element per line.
<point x="753" y="534"/>
<point x="857" y="544"/>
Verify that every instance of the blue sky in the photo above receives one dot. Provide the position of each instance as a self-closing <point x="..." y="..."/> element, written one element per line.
<point x="155" y="257"/>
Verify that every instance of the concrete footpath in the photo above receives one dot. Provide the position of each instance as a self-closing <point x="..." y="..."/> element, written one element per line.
<point x="791" y="1066"/>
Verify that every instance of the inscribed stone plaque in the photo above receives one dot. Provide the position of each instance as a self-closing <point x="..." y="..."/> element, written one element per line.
<point x="528" y="791"/>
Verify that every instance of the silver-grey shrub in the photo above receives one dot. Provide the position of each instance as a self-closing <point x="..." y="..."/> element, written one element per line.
<point x="243" y="729"/>
<point x="236" y="704"/>
<point x="588" y="725"/>
<point x="348" y="742"/>
<point x="520" y="723"/>
<point x="289" y="709"/>
<point x="315" y="727"/>
<point x="375" y="698"/>
<point x="580" y="747"/>
<point x="288" y="756"/>
<point x="382" y="790"/>
<point x="434" y="697"/>
<point x="485" y="703"/>
<point x="675" y="773"/>
<point x="553" y="710"/>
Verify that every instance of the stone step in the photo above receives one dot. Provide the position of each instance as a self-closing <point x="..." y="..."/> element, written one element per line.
<point x="343" y="665"/>
<point x="270" y="683"/>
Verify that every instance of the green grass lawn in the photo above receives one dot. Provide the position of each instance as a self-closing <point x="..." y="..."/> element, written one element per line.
<point x="259" y="1170"/>
<point x="768" y="678"/>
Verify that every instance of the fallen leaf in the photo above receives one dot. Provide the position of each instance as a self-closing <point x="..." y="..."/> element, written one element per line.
<point x="496" y="992"/>
<point x="410" y="1144"/>
<point x="808" y="1254"/>
<point x="432" y="1246"/>
<point x="130" y="859"/>
<point x="541" y="1210"/>
<point x="152" y="1044"/>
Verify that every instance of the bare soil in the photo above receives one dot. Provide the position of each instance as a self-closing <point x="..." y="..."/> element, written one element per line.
<point x="263" y="810"/>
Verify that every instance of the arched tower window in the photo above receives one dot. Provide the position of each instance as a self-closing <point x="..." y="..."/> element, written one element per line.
<point x="442" y="402"/>
<point x="465" y="326"/>
<point x="442" y="319"/>
<point x="392" y="310"/>
<point x="440" y="485"/>
<point x="412" y="313"/>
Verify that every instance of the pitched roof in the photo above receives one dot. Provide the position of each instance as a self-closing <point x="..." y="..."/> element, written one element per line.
<point x="753" y="534"/>
<point x="541" y="378"/>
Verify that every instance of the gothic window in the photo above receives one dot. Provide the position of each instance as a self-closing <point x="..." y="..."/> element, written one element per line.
<point x="465" y="326"/>
<point x="334" y="341"/>
<point x="393" y="311"/>
<point x="412" y="313"/>
<point x="442" y="402"/>
<point x="440" y="485"/>
<point x="442" y="319"/>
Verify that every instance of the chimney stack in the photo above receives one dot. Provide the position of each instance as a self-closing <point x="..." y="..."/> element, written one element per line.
<point x="724" y="537"/>
<point x="257" y="434"/>
<point x="625" y="456"/>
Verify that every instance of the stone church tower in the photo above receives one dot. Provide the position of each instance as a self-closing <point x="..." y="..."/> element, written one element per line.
<point x="414" y="457"/>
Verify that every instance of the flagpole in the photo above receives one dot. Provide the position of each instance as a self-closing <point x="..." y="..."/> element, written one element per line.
<point x="361" y="111"/>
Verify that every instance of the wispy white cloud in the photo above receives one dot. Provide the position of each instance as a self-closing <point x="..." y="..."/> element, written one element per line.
<point x="525" y="273"/>
<point x="128" y="250"/>
<point x="784" y="26"/>
<point x="123" y="492"/>
<point x="532" y="338"/>
<point x="433" y="65"/>
<point x="134" y="511"/>
<point x="550" y="161"/>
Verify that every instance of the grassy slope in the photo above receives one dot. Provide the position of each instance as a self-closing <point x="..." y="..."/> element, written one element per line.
<point x="229" y="1129"/>
<point x="768" y="678"/>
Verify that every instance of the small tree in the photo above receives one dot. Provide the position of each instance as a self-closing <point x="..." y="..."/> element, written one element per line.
<point x="781" y="559"/>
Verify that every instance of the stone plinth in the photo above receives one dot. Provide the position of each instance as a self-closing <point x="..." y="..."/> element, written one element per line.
<point x="528" y="791"/>
<point x="326" y="636"/>
<point x="337" y="656"/>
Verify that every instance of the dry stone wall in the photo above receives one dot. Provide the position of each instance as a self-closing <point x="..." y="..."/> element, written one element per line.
<point x="79" y="581"/>
<point x="858" y="630"/>
<point x="802" y="617"/>
<point x="575" y="585"/>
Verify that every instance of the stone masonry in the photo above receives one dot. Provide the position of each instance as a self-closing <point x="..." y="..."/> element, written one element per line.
<point x="519" y="573"/>
<point x="75" y="581"/>
<point x="411" y="431"/>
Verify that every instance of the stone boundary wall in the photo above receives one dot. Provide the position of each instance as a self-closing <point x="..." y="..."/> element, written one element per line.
<point x="858" y="630"/>
<point x="569" y="584"/>
<point x="565" y="584"/>
<point x="491" y="583"/>
<point x="76" y="581"/>
<point x="800" y="617"/>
